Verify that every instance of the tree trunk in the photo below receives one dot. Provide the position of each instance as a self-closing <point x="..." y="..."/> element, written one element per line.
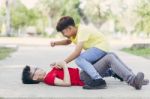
<point x="8" y="26"/>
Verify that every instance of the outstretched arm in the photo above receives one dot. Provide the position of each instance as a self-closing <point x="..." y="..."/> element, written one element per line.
<point x="62" y="42"/>
<point x="75" y="53"/>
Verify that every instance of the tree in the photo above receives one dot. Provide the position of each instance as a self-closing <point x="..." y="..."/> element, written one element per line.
<point x="95" y="14"/>
<point x="21" y="16"/>
<point x="2" y="17"/>
<point x="54" y="10"/>
<point x="143" y="11"/>
<point x="8" y="19"/>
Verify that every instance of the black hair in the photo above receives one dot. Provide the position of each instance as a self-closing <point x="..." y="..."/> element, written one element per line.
<point x="26" y="76"/>
<point x="64" y="22"/>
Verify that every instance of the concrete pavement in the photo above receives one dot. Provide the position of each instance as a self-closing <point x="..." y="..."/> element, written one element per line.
<point x="43" y="55"/>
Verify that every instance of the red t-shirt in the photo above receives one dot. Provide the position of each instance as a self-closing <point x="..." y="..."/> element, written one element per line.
<point x="59" y="73"/>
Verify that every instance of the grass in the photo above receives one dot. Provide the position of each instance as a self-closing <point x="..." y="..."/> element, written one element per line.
<point x="5" y="52"/>
<point x="145" y="52"/>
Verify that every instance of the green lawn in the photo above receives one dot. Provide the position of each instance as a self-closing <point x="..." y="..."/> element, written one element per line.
<point x="139" y="52"/>
<point x="5" y="52"/>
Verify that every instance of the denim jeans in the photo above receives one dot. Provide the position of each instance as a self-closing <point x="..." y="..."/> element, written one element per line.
<point x="86" y="60"/>
<point x="112" y="61"/>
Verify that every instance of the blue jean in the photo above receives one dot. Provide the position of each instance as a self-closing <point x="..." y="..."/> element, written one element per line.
<point x="86" y="60"/>
<point x="112" y="61"/>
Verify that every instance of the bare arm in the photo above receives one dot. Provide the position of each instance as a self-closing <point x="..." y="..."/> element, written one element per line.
<point x="62" y="42"/>
<point x="66" y="81"/>
<point x="75" y="53"/>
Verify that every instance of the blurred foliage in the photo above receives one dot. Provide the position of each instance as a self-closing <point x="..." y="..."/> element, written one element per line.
<point x="119" y="26"/>
<point x="5" y="52"/>
<point x="21" y="16"/>
<point x="143" y="10"/>
<point x="145" y="52"/>
<point x="46" y="13"/>
<point x="95" y="14"/>
<point x="54" y="10"/>
<point x="93" y="11"/>
<point x="2" y="15"/>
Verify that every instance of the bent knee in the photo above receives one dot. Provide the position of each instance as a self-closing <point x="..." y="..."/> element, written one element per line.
<point x="110" y="56"/>
<point x="112" y="53"/>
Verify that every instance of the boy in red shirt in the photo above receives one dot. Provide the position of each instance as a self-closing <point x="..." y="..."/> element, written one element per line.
<point x="56" y="76"/>
<point x="63" y="76"/>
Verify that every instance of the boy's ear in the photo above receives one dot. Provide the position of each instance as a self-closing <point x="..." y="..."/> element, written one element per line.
<point x="35" y="77"/>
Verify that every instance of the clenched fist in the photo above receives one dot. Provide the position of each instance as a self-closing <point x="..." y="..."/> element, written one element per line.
<point x="59" y="64"/>
<point x="52" y="44"/>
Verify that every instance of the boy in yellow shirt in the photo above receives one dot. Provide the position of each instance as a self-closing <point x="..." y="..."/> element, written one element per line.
<point x="90" y="40"/>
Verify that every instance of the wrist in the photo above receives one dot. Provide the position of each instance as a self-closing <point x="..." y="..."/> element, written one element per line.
<point x="66" y="61"/>
<point x="54" y="43"/>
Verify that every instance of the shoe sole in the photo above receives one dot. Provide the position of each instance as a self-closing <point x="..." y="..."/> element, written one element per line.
<point x="138" y="80"/>
<point x="145" y="82"/>
<point x="97" y="87"/>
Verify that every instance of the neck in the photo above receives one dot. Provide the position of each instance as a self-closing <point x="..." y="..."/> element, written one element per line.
<point x="75" y="32"/>
<point x="42" y="79"/>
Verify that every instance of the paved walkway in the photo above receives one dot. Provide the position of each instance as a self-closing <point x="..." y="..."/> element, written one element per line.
<point x="43" y="55"/>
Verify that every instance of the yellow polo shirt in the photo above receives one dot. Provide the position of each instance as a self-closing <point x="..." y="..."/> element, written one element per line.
<point x="91" y="38"/>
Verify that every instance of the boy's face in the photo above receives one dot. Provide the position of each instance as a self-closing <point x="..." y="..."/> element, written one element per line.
<point x="69" y="31"/>
<point x="37" y="73"/>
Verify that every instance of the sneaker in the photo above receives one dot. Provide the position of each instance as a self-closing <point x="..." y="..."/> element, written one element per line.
<point x="95" y="84"/>
<point x="145" y="82"/>
<point x="138" y="80"/>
